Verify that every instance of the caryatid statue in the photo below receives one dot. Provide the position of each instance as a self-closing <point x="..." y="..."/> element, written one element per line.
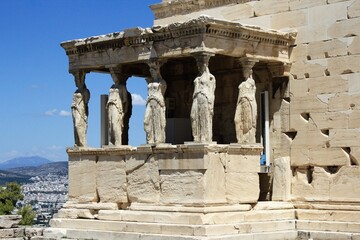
<point x="202" y="109"/>
<point x="117" y="107"/>
<point x="155" y="121"/>
<point x="79" y="108"/>
<point x="246" y="108"/>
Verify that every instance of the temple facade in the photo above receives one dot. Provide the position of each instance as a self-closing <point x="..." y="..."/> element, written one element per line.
<point x="251" y="125"/>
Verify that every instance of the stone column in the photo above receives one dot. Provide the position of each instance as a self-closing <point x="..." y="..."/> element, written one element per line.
<point x="119" y="108"/>
<point x="202" y="109"/>
<point x="79" y="109"/>
<point x="246" y="107"/>
<point x="155" y="120"/>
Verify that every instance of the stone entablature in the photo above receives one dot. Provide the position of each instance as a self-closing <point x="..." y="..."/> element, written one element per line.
<point x="179" y="7"/>
<point x="178" y="40"/>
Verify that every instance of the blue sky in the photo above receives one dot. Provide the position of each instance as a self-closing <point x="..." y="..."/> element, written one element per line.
<point x="36" y="88"/>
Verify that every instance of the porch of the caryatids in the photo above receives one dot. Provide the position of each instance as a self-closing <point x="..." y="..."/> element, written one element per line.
<point x="246" y="107"/>
<point x="119" y="108"/>
<point x="202" y="109"/>
<point x="155" y="119"/>
<point x="79" y="109"/>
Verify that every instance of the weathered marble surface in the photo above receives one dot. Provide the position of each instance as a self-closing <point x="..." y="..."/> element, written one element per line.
<point x="177" y="40"/>
<point x="119" y="108"/>
<point x="246" y="112"/>
<point x="165" y="174"/>
<point x="115" y="115"/>
<point x="281" y="190"/>
<point x="9" y="221"/>
<point x="202" y="109"/>
<point x="154" y="120"/>
<point x="79" y="108"/>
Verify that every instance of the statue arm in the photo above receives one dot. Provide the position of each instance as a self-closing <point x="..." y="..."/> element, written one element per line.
<point x="124" y="99"/>
<point x="211" y="95"/>
<point x="163" y="86"/>
<point x="86" y="98"/>
<point x="254" y="113"/>
<point x="147" y="117"/>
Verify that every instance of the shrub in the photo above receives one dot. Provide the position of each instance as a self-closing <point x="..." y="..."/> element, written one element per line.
<point x="8" y="197"/>
<point x="27" y="214"/>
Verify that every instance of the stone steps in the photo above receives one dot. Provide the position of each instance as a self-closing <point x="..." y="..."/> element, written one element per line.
<point x="196" y="218"/>
<point x="330" y="226"/>
<point x="328" y="215"/>
<point x="175" y="229"/>
<point x="112" y="235"/>
<point x="261" y="222"/>
<point x="327" y="235"/>
<point x="277" y="229"/>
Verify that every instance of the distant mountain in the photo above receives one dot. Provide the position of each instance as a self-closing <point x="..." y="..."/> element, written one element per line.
<point x="59" y="168"/>
<point x="24" y="162"/>
<point x="23" y="174"/>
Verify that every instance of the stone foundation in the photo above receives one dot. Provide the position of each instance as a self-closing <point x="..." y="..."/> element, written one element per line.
<point x="192" y="191"/>
<point x="189" y="175"/>
<point x="265" y="220"/>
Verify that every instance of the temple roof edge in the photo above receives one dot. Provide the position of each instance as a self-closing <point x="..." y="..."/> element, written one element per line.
<point x="202" y="24"/>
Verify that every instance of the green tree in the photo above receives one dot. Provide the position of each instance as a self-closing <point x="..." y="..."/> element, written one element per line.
<point x="9" y="195"/>
<point x="27" y="214"/>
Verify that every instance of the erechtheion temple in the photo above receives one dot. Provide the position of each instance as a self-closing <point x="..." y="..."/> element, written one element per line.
<point x="252" y="125"/>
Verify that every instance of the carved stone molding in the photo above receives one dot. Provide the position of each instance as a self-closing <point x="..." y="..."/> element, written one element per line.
<point x="247" y="65"/>
<point x="118" y="76"/>
<point x="178" y="7"/>
<point x="177" y="40"/>
<point x="79" y="78"/>
<point x="119" y="150"/>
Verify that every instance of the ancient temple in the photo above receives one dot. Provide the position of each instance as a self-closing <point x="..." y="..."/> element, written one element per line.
<point x="251" y="125"/>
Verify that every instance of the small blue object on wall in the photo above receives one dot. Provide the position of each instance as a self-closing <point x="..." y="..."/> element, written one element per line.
<point x="263" y="159"/>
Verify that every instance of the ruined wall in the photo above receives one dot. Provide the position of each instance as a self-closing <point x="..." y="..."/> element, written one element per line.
<point x="317" y="121"/>
<point x="11" y="230"/>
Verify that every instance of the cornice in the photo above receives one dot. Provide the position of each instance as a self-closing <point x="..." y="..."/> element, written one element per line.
<point x="202" y="25"/>
<point x="204" y="148"/>
<point x="180" y="7"/>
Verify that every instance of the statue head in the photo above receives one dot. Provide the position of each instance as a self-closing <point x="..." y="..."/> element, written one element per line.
<point x="202" y="62"/>
<point x="77" y="98"/>
<point x="247" y="87"/>
<point x="154" y="68"/>
<point x="153" y="87"/>
<point x="114" y="95"/>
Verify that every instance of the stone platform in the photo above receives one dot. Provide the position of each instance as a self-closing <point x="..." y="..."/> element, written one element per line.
<point x="189" y="191"/>
<point x="165" y="174"/>
<point x="265" y="220"/>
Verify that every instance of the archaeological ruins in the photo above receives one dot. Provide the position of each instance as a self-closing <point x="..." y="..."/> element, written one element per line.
<point x="252" y="125"/>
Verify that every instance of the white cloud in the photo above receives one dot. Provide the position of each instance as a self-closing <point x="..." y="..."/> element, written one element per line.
<point x="64" y="113"/>
<point x="137" y="99"/>
<point x="55" y="147"/>
<point x="51" y="112"/>
<point x="61" y="113"/>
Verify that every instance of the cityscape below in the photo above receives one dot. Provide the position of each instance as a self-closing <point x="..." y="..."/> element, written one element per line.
<point x="44" y="184"/>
